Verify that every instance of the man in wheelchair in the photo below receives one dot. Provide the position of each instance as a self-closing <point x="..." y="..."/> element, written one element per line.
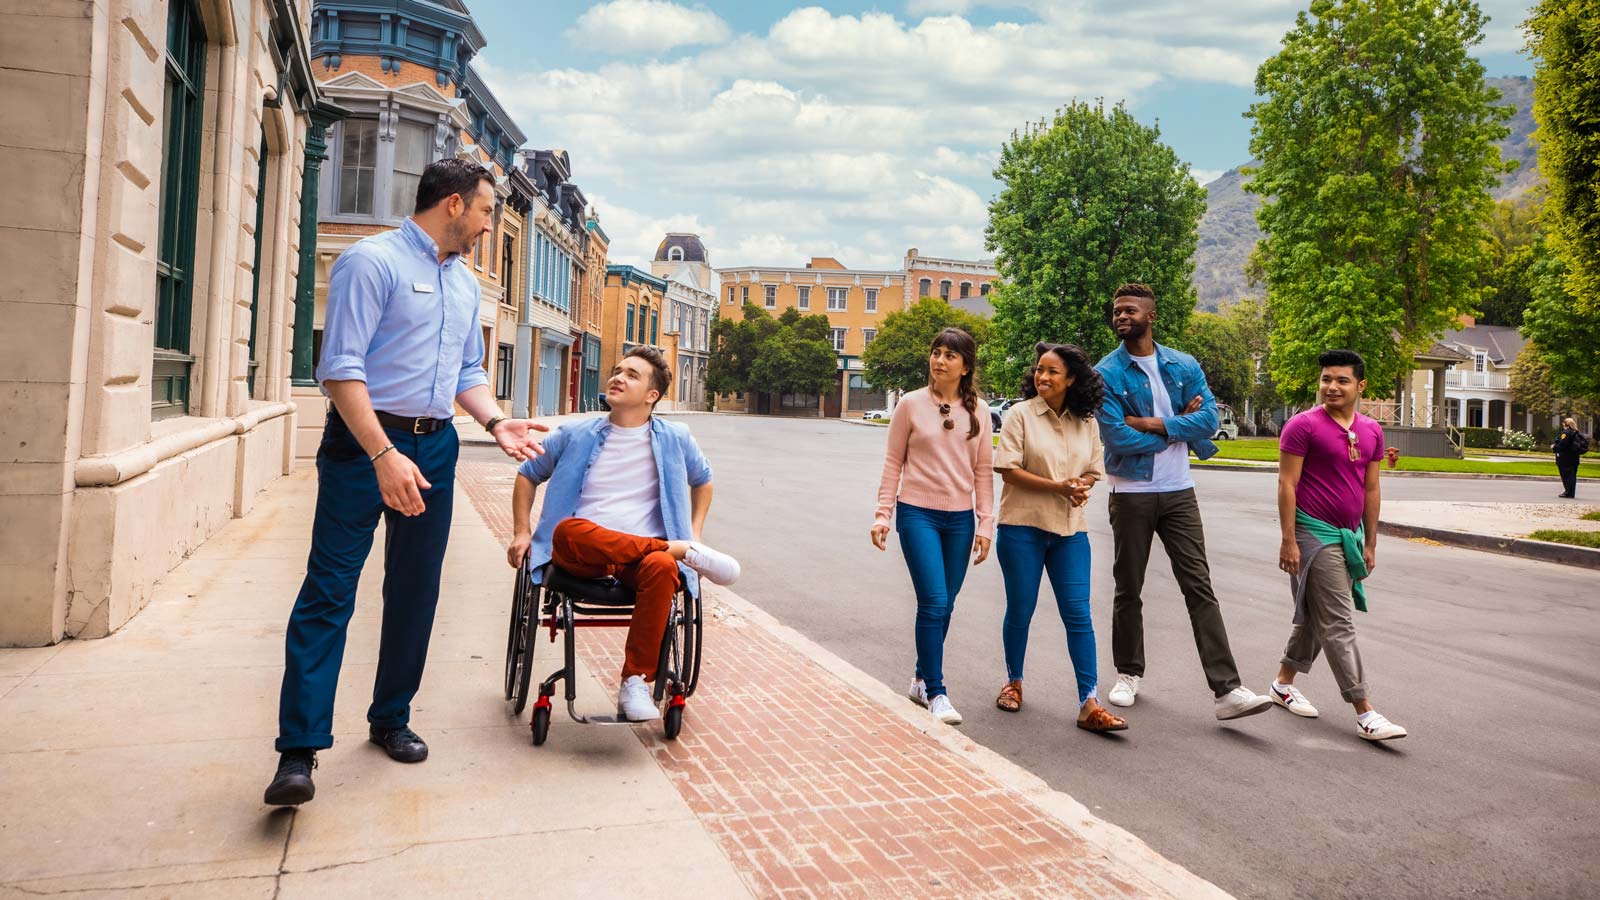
<point x="627" y="498"/>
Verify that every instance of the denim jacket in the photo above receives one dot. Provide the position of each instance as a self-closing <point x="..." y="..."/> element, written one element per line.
<point x="572" y="449"/>
<point x="1131" y="454"/>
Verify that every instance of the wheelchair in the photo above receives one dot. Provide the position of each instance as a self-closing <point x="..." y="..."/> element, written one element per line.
<point x="562" y="604"/>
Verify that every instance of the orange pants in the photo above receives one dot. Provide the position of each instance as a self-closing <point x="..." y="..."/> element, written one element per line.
<point x="585" y="550"/>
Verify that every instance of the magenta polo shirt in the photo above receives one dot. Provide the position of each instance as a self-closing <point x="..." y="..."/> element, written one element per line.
<point x="1332" y="487"/>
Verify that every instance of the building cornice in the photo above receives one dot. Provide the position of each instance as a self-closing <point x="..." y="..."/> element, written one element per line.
<point x="811" y="276"/>
<point x="491" y="126"/>
<point x="434" y="35"/>
<point x="630" y="274"/>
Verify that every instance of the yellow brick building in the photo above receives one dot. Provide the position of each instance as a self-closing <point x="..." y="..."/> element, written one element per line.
<point x="855" y="302"/>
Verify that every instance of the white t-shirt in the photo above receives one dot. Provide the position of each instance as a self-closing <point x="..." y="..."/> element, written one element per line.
<point x="622" y="490"/>
<point x="1171" y="470"/>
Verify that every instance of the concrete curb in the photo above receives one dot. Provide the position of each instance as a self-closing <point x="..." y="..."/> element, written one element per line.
<point x="1115" y="842"/>
<point x="1491" y="476"/>
<point x="1544" y="551"/>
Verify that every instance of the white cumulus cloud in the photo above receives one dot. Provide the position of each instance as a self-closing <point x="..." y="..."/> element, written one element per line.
<point x="643" y="26"/>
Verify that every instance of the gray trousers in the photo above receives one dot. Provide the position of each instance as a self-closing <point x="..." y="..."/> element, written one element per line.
<point x="1328" y="624"/>
<point x="1173" y="516"/>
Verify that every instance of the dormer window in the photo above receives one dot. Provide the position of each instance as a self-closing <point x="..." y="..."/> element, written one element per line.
<point x="675" y="254"/>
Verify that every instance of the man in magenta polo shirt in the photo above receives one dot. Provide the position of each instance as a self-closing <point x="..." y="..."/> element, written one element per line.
<point x="1328" y="500"/>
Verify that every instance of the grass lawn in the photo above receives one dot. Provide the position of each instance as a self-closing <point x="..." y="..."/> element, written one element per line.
<point x="1591" y="456"/>
<point x="1266" y="450"/>
<point x="1591" y="516"/>
<point x="1576" y="538"/>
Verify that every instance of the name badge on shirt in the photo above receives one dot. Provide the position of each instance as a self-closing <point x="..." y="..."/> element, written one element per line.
<point x="422" y="287"/>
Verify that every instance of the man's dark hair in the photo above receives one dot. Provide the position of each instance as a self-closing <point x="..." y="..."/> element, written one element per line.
<point x="1134" y="289"/>
<point x="663" y="372"/>
<point x="1344" y="358"/>
<point x="450" y="176"/>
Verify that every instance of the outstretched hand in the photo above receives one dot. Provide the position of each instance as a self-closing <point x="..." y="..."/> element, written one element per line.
<point x="519" y="438"/>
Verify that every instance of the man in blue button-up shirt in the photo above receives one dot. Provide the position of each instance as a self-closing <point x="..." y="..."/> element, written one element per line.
<point x="400" y="348"/>
<point x="1157" y="406"/>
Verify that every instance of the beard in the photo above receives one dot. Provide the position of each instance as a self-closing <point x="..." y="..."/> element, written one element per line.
<point x="461" y="236"/>
<point x="1133" y="332"/>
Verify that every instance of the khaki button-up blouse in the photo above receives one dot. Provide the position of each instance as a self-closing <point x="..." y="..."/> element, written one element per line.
<point x="1055" y="446"/>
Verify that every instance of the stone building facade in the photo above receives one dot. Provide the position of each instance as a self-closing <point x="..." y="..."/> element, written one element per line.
<point x="682" y="260"/>
<point x="152" y="238"/>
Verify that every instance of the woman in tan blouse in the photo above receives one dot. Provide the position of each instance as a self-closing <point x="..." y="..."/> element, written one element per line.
<point x="1049" y="458"/>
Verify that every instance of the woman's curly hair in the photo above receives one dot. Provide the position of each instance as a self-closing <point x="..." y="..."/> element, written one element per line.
<point x="1088" y="389"/>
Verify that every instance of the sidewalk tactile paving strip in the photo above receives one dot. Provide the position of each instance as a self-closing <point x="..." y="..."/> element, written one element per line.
<point x="814" y="790"/>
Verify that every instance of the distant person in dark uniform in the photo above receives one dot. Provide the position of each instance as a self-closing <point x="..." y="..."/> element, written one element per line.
<point x="1570" y="446"/>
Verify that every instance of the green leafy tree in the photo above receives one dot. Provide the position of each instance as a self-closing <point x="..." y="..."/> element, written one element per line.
<point x="1564" y="39"/>
<point x="1090" y="199"/>
<point x="1253" y="321"/>
<point x="1566" y="333"/>
<point x="797" y="358"/>
<point x="1530" y="381"/>
<point x="734" y="345"/>
<point x="897" y="359"/>
<point x="1507" y="287"/>
<point x="1376" y="140"/>
<point x="1219" y="346"/>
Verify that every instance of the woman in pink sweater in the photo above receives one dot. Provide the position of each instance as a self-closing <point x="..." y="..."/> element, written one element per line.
<point x="937" y="473"/>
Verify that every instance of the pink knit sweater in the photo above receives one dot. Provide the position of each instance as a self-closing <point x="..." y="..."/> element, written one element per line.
<point x="926" y="465"/>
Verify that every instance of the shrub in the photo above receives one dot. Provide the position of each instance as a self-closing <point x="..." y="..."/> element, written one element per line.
<point x="1481" y="438"/>
<point x="1516" y="440"/>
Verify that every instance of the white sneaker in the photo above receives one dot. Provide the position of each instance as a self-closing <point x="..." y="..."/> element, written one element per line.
<point x="634" y="702"/>
<point x="713" y="564"/>
<point x="1124" y="691"/>
<point x="943" y="711"/>
<point x="1377" y="728"/>
<point x="1291" y="699"/>
<point x="1241" y="702"/>
<point x="918" y="692"/>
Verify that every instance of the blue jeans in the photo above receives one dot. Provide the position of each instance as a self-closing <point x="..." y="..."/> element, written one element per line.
<point x="348" y="508"/>
<point x="936" y="544"/>
<point x="1026" y="554"/>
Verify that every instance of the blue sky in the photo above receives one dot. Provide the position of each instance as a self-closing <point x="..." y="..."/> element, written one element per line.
<point x="858" y="130"/>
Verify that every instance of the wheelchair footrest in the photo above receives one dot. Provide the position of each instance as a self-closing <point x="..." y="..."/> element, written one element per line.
<point x="610" y="719"/>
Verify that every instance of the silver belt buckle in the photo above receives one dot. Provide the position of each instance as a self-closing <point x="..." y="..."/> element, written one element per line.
<point x="416" y="425"/>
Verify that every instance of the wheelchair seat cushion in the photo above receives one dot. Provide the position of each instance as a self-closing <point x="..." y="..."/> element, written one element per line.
<point x="600" y="591"/>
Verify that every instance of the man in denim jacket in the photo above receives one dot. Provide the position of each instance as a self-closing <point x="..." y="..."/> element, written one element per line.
<point x="626" y="497"/>
<point x="1157" y="406"/>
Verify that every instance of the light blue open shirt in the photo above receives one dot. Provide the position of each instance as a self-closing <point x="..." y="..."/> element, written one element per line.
<point x="404" y="323"/>
<point x="572" y="449"/>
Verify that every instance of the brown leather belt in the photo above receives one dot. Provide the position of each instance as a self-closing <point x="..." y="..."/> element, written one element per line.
<point x="413" y="425"/>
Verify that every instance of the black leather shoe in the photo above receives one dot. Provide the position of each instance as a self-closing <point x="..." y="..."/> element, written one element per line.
<point x="292" y="785"/>
<point x="402" y="744"/>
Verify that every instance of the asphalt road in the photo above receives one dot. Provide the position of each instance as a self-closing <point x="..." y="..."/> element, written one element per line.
<point x="1490" y="662"/>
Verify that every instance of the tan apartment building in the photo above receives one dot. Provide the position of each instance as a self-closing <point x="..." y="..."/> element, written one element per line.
<point x="588" y="315"/>
<point x="633" y="307"/>
<point x="855" y="302"/>
<point x="963" y="283"/>
<point x="164" y="160"/>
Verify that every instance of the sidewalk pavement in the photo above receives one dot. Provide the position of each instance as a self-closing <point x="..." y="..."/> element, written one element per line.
<point x="134" y="765"/>
<point x="1496" y="527"/>
<point x="470" y="432"/>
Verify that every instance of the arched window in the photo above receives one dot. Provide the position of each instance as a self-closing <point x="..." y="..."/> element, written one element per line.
<point x="983" y="289"/>
<point x="944" y="289"/>
<point x="675" y="254"/>
<point x="924" y="286"/>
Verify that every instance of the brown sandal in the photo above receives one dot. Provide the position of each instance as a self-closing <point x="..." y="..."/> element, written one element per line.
<point x="1010" y="698"/>
<point x="1100" y="721"/>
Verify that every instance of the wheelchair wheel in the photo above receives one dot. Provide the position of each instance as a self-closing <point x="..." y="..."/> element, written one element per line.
<point x="672" y="722"/>
<point x="687" y="666"/>
<point x="541" y="725"/>
<point x="519" y="653"/>
<point x="514" y="631"/>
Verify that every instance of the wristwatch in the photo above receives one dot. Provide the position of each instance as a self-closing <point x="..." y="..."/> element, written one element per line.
<point x="489" y="425"/>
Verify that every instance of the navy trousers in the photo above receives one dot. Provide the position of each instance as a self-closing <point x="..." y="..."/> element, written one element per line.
<point x="348" y="508"/>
